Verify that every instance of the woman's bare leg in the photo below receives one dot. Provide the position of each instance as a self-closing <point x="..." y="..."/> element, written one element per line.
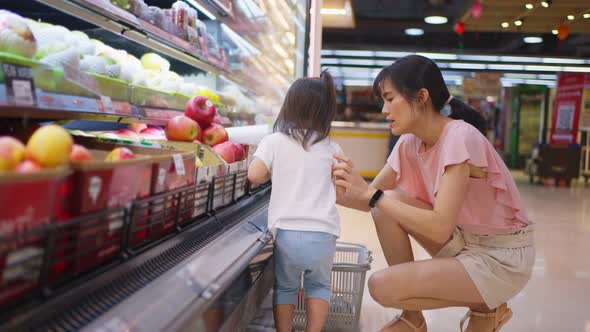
<point x="395" y="243"/>
<point x="429" y="284"/>
<point x="397" y="249"/>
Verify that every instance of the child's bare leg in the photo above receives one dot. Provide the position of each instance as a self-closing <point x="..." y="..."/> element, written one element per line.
<point x="283" y="314"/>
<point x="316" y="314"/>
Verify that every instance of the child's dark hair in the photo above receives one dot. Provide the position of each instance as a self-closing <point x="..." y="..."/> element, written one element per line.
<point x="414" y="72"/>
<point x="308" y="110"/>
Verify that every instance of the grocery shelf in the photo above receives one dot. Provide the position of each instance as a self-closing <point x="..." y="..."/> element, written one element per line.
<point x="132" y="114"/>
<point x="178" y="278"/>
<point x="118" y="21"/>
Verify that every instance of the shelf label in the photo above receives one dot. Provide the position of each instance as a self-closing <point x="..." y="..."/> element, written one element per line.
<point x="19" y="84"/>
<point x="107" y="104"/>
<point x="179" y="164"/>
<point x="81" y="79"/>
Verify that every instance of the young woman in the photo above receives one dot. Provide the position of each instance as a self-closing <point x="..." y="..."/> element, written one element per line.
<point x="444" y="185"/>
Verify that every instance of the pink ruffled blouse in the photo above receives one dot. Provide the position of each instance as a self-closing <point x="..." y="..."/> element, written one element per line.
<point x="492" y="205"/>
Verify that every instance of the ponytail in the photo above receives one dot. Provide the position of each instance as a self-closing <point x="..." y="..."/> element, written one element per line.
<point x="462" y="111"/>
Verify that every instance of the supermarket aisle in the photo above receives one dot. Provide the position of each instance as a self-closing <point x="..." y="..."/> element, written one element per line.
<point x="556" y="298"/>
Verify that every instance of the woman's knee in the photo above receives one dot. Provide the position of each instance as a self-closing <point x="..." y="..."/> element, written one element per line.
<point x="384" y="290"/>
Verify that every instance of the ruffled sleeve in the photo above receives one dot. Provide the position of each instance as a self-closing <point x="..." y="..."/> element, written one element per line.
<point x="403" y="160"/>
<point x="464" y="143"/>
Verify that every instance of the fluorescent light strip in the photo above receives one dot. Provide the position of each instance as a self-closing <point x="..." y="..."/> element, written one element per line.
<point x="327" y="52"/>
<point x="541" y="82"/>
<point x="563" y="61"/>
<point x="201" y="9"/>
<point x="452" y="77"/>
<point x="479" y="57"/>
<point x="546" y="77"/>
<point x="439" y="56"/>
<point x="355" y="53"/>
<point x="387" y="54"/>
<point x="476" y="66"/>
<point x="357" y="62"/>
<point x="542" y="68"/>
<point x="330" y="61"/>
<point x="505" y="67"/>
<point x="520" y="76"/>
<point x="383" y="63"/>
<point x="519" y="59"/>
<point x="577" y="69"/>
<point x="358" y="83"/>
<point x="512" y="80"/>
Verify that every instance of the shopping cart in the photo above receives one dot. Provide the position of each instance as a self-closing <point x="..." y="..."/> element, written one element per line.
<point x="351" y="263"/>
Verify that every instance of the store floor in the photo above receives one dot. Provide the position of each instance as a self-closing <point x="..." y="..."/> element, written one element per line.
<point x="558" y="296"/>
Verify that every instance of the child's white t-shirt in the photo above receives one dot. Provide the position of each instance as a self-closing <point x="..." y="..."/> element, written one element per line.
<point x="303" y="195"/>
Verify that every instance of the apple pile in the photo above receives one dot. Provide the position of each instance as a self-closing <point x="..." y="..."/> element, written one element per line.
<point x="48" y="147"/>
<point x="204" y="112"/>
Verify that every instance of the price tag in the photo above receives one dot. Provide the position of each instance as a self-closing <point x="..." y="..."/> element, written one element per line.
<point x="81" y="79"/>
<point x="178" y="164"/>
<point x="107" y="104"/>
<point x="19" y="84"/>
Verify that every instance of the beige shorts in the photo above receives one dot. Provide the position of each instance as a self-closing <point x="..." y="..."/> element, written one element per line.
<point x="499" y="265"/>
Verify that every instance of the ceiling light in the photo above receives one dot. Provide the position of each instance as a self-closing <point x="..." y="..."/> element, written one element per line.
<point x="529" y="6"/>
<point x="438" y="56"/>
<point x="546" y="3"/>
<point x="571" y="17"/>
<point x="587" y="15"/>
<point x="533" y="40"/>
<point x="505" y="67"/>
<point x="554" y="31"/>
<point x="474" y="66"/>
<point x="436" y="19"/>
<point x="542" y="68"/>
<point x="505" y="24"/>
<point x="518" y="23"/>
<point x="414" y="32"/>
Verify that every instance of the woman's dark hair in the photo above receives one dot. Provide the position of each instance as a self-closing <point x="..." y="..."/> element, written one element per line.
<point x="414" y="72"/>
<point x="308" y="110"/>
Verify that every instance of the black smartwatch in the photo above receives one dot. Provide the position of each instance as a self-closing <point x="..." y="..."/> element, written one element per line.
<point x="375" y="198"/>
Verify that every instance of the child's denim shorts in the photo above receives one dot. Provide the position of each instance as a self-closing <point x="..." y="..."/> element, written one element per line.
<point x="297" y="252"/>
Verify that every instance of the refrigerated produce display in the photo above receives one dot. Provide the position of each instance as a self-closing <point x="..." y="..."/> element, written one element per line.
<point x="125" y="135"/>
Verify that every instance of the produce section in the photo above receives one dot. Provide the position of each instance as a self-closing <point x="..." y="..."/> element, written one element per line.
<point x="159" y="178"/>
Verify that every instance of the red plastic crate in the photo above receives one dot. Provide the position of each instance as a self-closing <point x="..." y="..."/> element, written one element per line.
<point x="29" y="205"/>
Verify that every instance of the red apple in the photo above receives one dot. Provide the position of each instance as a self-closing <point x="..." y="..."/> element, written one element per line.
<point x="214" y="135"/>
<point x="126" y="133"/>
<point x="12" y="152"/>
<point x="239" y="151"/>
<point x="226" y="151"/>
<point x="217" y="119"/>
<point x="120" y="154"/>
<point x="201" y="110"/>
<point x="137" y="127"/>
<point x="182" y="128"/>
<point x="153" y="131"/>
<point x="28" y="166"/>
<point x="80" y="153"/>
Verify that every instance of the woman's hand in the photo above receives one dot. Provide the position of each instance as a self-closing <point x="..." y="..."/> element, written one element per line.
<point x="351" y="189"/>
